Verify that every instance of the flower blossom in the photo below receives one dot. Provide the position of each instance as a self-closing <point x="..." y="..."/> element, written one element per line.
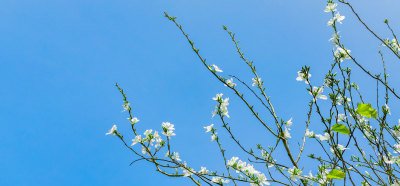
<point x="336" y="18"/>
<point x="168" y="129"/>
<point x="216" y="68"/>
<point x="301" y="76"/>
<point x="317" y="93"/>
<point x="209" y="128"/>
<point x="324" y="137"/>
<point x="113" y="130"/>
<point x="256" y="81"/>
<point x="341" y="54"/>
<point x="230" y="83"/>
<point x="330" y="7"/>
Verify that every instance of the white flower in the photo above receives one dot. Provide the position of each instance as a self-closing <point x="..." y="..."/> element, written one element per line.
<point x="340" y="147"/>
<point x="317" y="92"/>
<point x="310" y="134"/>
<point x="144" y="151"/>
<point x="222" y="106"/>
<point x="203" y="170"/>
<point x="219" y="180"/>
<point x="397" y="148"/>
<point x="330" y="7"/>
<point x="168" y="129"/>
<point x="137" y="139"/>
<point x="134" y="120"/>
<point x="209" y="128"/>
<point x="341" y="54"/>
<point x="289" y="122"/>
<point x="341" y="117"/>
<point x="216" y="68"/>
<point x="126" y="106"/>
<point x="323" y="137"/>
<point x="232" y="161"/>
<point x="256" y="81"/>
<point x="230" y="82"/>
<point x="186" y="172"/>
<point x="340" y="99"/>
<point x="295" y="173"/>
<point x="287" y="133"/>
<point x="113" y="130"/>
<point x="301" y="76"/>
<point x="148" y="132"/>
<point x="175" y="156"/>
<point x="218" y="97"/>
<point x="337" y="18"/>
<point x="213" y="136"/>
<point x="387" y="109"/>
<point x="335" y="38"/>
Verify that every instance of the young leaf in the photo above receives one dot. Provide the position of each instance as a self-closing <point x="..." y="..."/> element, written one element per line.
<point x="336" y="174"/>
<point x="341" y="128"/>
<point x="366" y="110"/>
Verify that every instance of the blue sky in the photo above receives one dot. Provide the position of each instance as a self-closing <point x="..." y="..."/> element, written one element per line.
<point x="59" y="62"/>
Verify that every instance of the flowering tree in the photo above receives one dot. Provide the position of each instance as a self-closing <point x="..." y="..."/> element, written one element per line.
<point x="356" y="146"/>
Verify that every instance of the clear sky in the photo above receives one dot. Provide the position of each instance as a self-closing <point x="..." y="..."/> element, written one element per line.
<point x="60" y="59"/>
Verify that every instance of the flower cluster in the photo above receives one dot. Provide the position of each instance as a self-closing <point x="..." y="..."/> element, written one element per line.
<point x="168" y="129"/>
<point x="222" y="106"/>
<point x="394" y="44"/>
<point x="256" y="177"/>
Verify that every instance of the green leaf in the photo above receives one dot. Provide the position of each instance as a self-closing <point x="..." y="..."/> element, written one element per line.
<point x="341" y="128"/>
<point x="336" y="174"/>
<point x="366" y="110"/>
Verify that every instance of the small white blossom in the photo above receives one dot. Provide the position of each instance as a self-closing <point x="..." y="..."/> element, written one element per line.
<point x="216" y="68"/>
<point x="256" y="81"/>
<point x="340" y="99"/>
<point x="286" y="133"/>
<point x="144" y="151"/>
<point x="330" y="7"/>
<point x="113" y="130"/>
<point x="147" y="132"/>
<point x="301" y="76"/>
<point x="289" y="122"/>
<point x="137" y="139"/>
<point x="203" y="170"/>
<point x="387" y="109"/>
<point x="219" y="180"/>
<point x="186" y="172"/>
<point x="324" y="137"/>
<point x="341" y="54"/>
<point x="168" y="129"/>
<point x="230" y="82"/>
<point x="336" y="18"/>
<point x="317" y="92"/>
<point x="340" y="147"/>
<point x="134" y="120"/>
<point x="335" y="38"/>
<point x="126" y="106"/>
<point x="341" y="117"/>
<point x="217" y="97"/>
<point x="295" y="173"/>
<point x="213" y="136"/>
<point x="209" y="128"/>
<point x="310" y="134"/>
